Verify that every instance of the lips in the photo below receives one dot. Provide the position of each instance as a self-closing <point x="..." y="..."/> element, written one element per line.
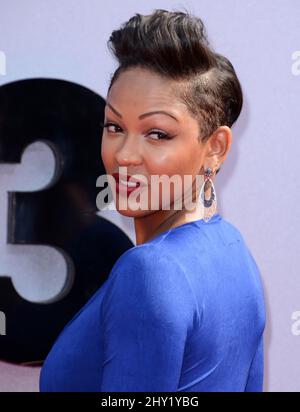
<point x="127" y="180"/>
<point x="126" y="184"/>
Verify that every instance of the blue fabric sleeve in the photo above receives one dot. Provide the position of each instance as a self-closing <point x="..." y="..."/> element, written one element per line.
<point x="147" y="313"/>
<point x="256" y="372"/>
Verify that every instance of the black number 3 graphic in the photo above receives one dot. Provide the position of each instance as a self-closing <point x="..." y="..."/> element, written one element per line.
<point x="55" y="251"/>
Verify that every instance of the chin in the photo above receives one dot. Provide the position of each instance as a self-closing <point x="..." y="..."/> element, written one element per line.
<point x="133" y="213"/>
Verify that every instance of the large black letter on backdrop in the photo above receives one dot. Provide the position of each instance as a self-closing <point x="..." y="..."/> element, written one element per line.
<point x="63" y="215"/>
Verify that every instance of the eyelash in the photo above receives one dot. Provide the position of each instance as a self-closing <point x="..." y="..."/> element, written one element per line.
<point x="165" y="135"/>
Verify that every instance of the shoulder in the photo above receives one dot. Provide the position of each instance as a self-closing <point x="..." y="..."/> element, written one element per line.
<point x="147" y="279"/>
<point x="148" y="262"/>
<point x="247" y="266"/>
<point x="147" y="266"/>
<point x="230" y="233"/>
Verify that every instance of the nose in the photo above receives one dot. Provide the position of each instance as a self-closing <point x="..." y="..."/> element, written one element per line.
<point x="129" y="153"/>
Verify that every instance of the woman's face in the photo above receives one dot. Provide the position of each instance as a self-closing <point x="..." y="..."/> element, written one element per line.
<point x="137" y="141"/>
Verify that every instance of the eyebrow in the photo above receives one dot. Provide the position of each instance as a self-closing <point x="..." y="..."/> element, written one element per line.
<point x="144" y="114"/>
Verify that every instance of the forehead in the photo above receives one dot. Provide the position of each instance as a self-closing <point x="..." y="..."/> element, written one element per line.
<point x="142" y="90"/>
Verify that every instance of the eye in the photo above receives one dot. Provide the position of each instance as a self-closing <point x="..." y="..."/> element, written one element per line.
<point x="108" y="124"/>
<point x="161" y="135"/>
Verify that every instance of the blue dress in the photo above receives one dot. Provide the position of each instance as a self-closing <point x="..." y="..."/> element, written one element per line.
<point x="184" y="311"/>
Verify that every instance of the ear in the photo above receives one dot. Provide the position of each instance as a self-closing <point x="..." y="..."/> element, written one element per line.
<point x="218" y="146"/>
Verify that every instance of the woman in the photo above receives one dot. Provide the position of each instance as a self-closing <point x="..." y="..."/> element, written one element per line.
<point x="183" y="310"/>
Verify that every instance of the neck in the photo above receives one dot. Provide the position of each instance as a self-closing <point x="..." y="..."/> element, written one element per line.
<point x="148" y="227"/>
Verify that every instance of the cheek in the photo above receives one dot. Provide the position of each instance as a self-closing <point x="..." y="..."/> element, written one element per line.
<point x="173" y="160"/>
<point x="170" y="161"/>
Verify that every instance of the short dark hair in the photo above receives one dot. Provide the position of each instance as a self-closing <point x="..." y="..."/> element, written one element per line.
<point x="174" y="44"/>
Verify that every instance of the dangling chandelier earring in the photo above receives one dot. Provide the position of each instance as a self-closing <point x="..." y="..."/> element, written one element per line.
<point x="210" y="205"/>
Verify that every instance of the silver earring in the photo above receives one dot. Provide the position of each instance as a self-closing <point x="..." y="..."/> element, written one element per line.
<point x="210" y="205"/>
